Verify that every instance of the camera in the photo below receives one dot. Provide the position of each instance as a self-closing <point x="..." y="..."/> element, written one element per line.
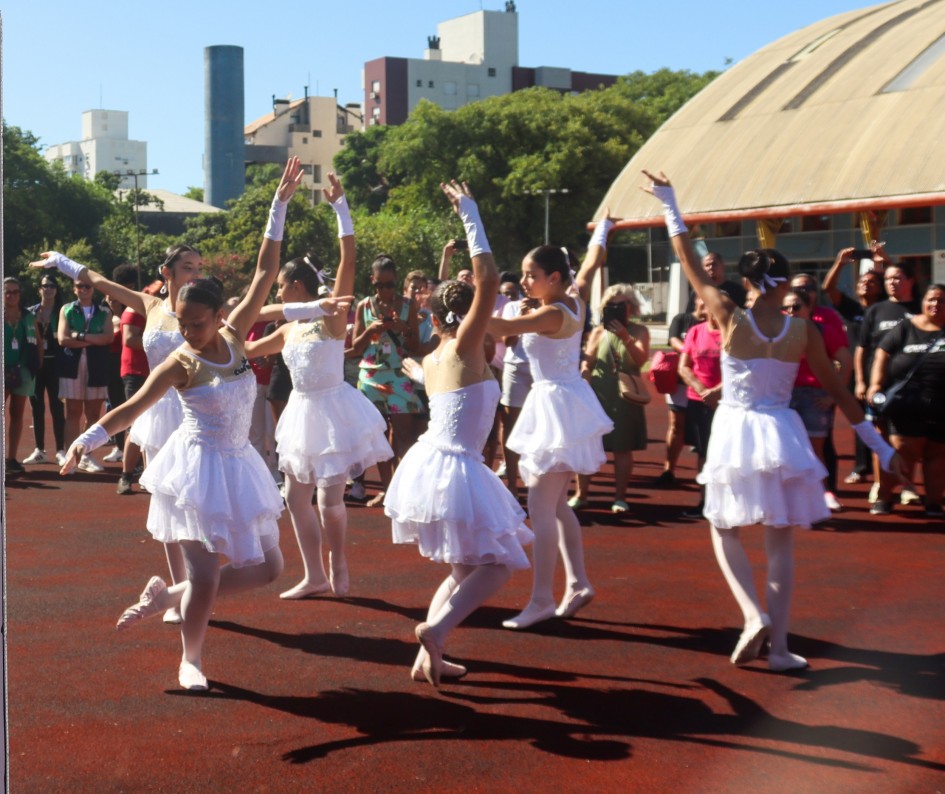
<point x="613" y="311"/>
<point x="460" y="245"/>
<point x="861" y="253"/>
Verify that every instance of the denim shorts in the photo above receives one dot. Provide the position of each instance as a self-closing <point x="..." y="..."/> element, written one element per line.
<point x="817" y="421"/>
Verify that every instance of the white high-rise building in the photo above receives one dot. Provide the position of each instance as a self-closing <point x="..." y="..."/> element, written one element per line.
<point x="104" y="147"/>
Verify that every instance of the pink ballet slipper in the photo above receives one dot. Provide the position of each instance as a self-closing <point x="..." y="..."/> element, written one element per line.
<point x="304" y="590"/>
<point x="148" y="604"/>
<point x="573" y="602"/>
<point x="432" y="665"/>
<point x="751" y="641"/>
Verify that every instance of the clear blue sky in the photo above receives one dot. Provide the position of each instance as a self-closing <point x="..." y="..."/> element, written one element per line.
<point x="61" y="57"/>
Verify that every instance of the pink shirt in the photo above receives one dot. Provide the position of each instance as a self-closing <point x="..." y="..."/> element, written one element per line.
<point x="703" y="345"/>
<point x="834" y="339"/>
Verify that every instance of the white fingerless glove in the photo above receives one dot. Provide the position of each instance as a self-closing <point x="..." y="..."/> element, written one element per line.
<point x="599" y="237"/>
<point x="64" y="265"/>
<point x="276" y="224"/>
<point x="674" y="222"/>
<point x="93" y="438"/>
<point x="472" y="223"/>
<point x="343" y="213"/>
<point x="303" y="311"/>
<point x="870" y="436"/>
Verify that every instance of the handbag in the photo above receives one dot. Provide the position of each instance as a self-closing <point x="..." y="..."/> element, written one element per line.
<point x="630" y="385"/>
<point x="884" y="402"/>
<point x="12" y="377"/>
<point x="664" y="371"/>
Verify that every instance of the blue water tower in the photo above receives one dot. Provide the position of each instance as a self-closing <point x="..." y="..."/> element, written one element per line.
<point x="224" y="168"/>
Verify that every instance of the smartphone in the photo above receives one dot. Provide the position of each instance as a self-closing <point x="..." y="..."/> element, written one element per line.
<point x="460" y="245"/>
<point x="613" y="311"/>
<point x="861" y="253"/>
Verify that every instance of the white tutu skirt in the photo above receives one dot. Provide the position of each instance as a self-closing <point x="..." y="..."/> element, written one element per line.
<point x="760" y="469"/>
<point x="151" y="430"/>
<point x="560" y="429"/>
<point x="456" y="510"/>
<point x="225" y="500"/>
<point x="330" y="434"/>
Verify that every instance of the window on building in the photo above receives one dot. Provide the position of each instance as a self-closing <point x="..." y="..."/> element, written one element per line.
<point x="815" y="223"/>
<point x="728" y="229"/>
<point x="376" y="112"/>
<point x="449" y="87"/>
<point x="316" y="173"/>
<point x="316" y="133"/>
<point x="304" y="139"/>
<point x="915" y="216"/>
<point x="307" y="168"/>
<point x="430" y="84"/>
<point x="376" y="85"/>
<point x="419" y="83"/>
<point x="472" y="89"/>
<point x="491" y="71"/>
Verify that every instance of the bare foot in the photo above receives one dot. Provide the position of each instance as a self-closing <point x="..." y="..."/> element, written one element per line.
<point x="377" y="500"/>
<point x="304" y="589"/>
<point x="432" y="665"/>
<point x="338" y="574"/>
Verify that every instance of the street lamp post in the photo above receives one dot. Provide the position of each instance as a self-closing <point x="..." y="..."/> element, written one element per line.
<point x="546" y="193"/>
<point x="134" y="175"/>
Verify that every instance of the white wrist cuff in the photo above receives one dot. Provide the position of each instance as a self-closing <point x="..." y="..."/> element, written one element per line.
<point x="472" y="223"/>
<point x="870" y="436"/>
<point x="599" y="237"/>
<point x="303" y="311"/>
<point x="65" y="265"/>
<point x="343" y="213"/>
<point x="93" y="438"/>
<point x="674" y="221"/>
<point x="276" y="224"/>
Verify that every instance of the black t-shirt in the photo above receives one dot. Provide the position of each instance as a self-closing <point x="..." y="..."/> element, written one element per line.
<point x="681" y="324"/>
<point x="906" y="344"/>
<point x="881" y="318"/>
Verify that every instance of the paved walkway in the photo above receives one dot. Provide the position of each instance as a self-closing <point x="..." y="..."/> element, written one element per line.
<point x="635" y="694"/>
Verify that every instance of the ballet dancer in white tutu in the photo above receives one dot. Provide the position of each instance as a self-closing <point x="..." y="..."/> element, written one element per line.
<point x="442" y="496"/>
<point x="329" y="432"/>
<point x="561" y="424"/>
<point x="760" y="467"/>
<point x="160" y="338"/>
<point x="210" y="490"/>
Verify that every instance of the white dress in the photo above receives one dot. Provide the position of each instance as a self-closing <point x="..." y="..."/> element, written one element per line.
<point x="329" y="431"/>
<point x="562" y="423"/>
<point x="760" y="467"/>
<point x="161" y="337"/>
<point x="207" y="482"/>
<point x="445" y="499"/>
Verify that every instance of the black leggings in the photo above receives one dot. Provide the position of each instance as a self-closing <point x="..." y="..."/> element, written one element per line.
<point x="47" y="381"/>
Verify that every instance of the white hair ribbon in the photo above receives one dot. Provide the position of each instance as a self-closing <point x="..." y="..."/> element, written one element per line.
<point x="771" y="281"/>
<point x="318" y="273"/>
<point x="453" y="318"/>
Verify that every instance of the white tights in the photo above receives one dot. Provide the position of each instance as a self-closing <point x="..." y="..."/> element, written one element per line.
<point x="557" y="530"/>
<point x="732" y="559"/>
<point x="206" y="580"/>
<point x="308" y="524"/>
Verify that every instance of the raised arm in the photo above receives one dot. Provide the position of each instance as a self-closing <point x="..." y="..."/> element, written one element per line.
<point x="344" y="277"/>
<point x="595" y="257"/>
<point x="829" y="285"/>
<point x="472" y="330"/>
<point x="247" y="311"/>
<point x="716" y="301"/>
<point x="445" y="258"/>
<point x="76" y="272"/>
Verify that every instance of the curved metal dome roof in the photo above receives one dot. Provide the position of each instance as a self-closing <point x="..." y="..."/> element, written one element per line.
<point x="846" y="114"/>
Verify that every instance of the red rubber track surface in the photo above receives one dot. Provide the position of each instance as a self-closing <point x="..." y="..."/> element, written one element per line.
<point x="634" y="694"/>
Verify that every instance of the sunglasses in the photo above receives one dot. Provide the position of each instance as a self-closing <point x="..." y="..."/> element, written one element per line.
<point x="47" y="286"/>
<point x="384" y="285"/>
<point x="792" y="308"/>
<point x="82" y="286"/>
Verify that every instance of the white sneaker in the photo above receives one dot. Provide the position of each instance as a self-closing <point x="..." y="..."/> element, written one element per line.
<point x="357" y="492"/>
<point x="832" y="503"/>
<point x="907" y="497"/>
<point x="60" y="458"/>
<point x="874" y="493"/>
<point x="36" y="456"/>
<point x="90" y="465"/>
<point x="115" y="456"/>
